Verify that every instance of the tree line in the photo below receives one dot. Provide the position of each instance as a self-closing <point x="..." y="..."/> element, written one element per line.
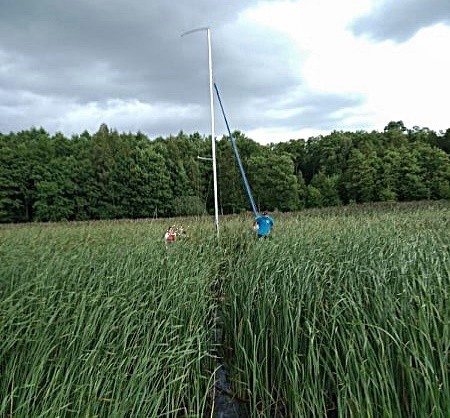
<point x="112" y="175"/>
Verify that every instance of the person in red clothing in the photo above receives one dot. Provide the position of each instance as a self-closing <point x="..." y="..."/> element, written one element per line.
<point x="170" y="236"/>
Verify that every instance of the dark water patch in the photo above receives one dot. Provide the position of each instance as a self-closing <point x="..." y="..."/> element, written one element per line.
<point x="226" y="405"/>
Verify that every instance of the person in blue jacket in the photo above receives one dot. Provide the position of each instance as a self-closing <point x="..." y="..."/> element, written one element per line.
<point x="263" y="225"/>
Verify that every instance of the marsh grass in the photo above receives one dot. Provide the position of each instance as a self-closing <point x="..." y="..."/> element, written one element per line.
<point x="342" y="313"/>
<point x="343" y="316"/>
<point x="102" y="320"/>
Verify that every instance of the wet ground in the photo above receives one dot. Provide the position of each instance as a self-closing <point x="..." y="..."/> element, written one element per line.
<point x="225" y="405"/>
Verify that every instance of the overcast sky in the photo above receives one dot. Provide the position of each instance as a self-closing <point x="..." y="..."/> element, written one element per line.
<point x="285" y="69"/>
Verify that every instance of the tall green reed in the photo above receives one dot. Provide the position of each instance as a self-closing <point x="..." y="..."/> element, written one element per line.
<point x="103" y="320"/>
<point x="343" y="315"/>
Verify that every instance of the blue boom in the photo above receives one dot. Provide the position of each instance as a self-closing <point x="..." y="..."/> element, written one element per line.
<point x="238" y="159"/>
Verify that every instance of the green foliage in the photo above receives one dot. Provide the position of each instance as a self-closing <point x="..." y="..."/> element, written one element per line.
<point x="314" y="197"/>
<point x="410" y="178"/>
<point x="273" y="181"/>
<point x="328" y="189"/>
<point x="55" y="192"/>
<point x="188" y="206"/>
<point x="233" y="196"/>
<point x="360" y="177"/>
<point x="435" y="169"/>
<point x="110" y="175"/>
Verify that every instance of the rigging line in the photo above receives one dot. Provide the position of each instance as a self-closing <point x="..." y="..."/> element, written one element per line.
<point x="238" y="159"/>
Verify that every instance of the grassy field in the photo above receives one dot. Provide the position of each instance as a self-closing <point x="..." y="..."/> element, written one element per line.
<point x="343" y="312"/>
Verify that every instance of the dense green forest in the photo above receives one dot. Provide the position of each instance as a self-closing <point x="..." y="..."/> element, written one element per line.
<point x="109" y="175"/>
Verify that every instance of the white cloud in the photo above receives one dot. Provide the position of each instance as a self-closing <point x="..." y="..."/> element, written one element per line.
<point x="125" y="115"/>
<point x="274" y="135"/>
<point x="407" y="81"/>
<point x="70" y="117"/>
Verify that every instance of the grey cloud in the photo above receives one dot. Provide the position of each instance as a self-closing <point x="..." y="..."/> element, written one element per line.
<point x="136" y="43"/>
<point x="400" y="20"/>
<point x="58" y="56"/>
<point x="315" y="111"/>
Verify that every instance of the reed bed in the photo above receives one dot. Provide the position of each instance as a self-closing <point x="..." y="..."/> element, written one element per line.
<point x="343" y="316"/>
<point x="342" y="313"/>
<point x="102" y="320"/>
